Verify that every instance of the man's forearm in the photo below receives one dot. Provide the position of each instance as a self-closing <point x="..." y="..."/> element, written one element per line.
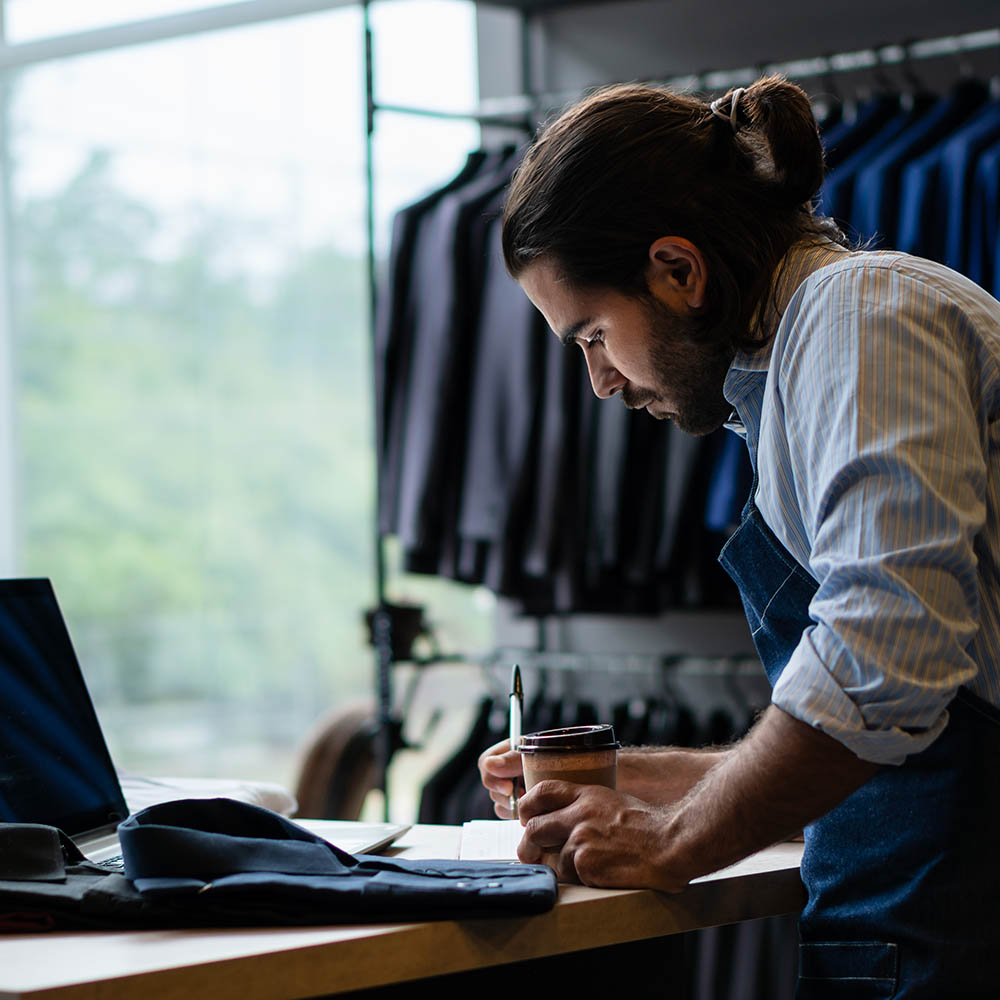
<point x="662" y="775"/>
<point x="780" y="777"/>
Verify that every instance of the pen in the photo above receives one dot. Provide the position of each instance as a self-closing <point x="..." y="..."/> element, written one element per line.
<point x="516" y="705"/>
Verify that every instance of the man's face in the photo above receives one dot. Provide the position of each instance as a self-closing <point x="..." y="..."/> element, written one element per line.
<point x="644" y="348"/>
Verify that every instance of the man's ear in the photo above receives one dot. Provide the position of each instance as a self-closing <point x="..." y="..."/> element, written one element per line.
<point x="677" y="273"/>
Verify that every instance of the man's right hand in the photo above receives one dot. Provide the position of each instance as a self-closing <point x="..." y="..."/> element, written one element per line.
<point x="500" y="769"/>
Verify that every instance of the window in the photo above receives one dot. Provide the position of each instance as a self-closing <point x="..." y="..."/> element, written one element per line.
<point x="189" y="385"/>
<point x="30" y="20"/>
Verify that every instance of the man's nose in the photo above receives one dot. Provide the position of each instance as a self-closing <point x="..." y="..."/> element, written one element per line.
<point x="604" y="377"/>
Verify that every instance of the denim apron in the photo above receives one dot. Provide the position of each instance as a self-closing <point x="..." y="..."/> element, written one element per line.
<point x="903" y="877"/>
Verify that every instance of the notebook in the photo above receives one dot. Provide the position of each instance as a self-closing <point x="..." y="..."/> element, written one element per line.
<point x="55" y="767"/>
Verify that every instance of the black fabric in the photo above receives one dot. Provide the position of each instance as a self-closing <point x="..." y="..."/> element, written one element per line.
<point x="218" y="862"/>
<point x="438" y="793"/>
<point x="446" y="305"/>
<point x="394" y="320"/>
<point x="416" y="267"/>
<point x="36" y="853"/>
<point x="497" y="466"/>
<point x="505" y="401"/>
<point x="467" y="798"/>
<point x="78" y="895"/>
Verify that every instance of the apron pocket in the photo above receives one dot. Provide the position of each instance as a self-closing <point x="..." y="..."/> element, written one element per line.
<point x="862" y="970"/>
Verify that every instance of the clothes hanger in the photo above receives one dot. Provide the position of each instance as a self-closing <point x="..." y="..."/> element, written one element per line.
<point x="908" y="70"/>
<point x="829" y="103"/>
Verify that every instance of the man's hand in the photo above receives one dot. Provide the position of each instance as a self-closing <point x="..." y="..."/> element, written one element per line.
<point x="500" y="771"/>
<point x="597" y="836"/>
<point x="780" y="777"/>
<point x="655" y="775"/>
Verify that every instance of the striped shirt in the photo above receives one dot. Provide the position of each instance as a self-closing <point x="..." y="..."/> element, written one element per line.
<point x="872" y="419"/>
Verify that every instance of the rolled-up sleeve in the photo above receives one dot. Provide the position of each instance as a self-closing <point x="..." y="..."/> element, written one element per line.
<point x="872" y="466"/>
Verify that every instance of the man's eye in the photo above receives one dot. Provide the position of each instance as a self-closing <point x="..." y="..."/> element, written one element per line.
<point x="597" y="337"/>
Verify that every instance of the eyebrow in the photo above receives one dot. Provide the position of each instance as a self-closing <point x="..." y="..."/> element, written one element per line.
<point x="568" y="336"/>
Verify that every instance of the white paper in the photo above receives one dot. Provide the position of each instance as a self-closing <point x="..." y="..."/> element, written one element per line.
<point x="490" y="840"/>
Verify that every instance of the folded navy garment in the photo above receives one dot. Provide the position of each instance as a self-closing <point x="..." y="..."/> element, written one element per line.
<point x="220" y="859"/>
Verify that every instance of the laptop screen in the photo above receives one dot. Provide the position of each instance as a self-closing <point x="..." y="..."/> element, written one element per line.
<point x="54" y="764"/>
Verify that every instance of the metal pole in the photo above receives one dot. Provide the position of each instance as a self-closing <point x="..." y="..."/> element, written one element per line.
<point x="381" y="620"/>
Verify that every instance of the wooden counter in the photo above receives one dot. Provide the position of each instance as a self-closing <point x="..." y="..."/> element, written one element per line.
<point x="259" y="963"/>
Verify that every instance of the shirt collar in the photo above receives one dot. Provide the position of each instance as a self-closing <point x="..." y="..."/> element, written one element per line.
<point x="799" y="262"/>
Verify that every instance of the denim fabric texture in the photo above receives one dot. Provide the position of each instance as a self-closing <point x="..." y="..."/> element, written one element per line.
<point x="901" y="890"/>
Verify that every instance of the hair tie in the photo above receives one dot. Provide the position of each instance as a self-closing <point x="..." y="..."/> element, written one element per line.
<point x="733" y="115"/>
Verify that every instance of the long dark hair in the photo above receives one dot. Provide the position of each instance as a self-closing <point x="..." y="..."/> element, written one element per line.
<point x="632" y="163"/>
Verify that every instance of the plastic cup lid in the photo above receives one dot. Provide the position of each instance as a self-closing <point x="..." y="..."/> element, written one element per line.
<point x="570" y="738"/>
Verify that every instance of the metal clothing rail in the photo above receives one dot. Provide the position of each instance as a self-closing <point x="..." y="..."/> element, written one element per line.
<point x="879" y="57"/>
<point x="617" y="665"/>
<point x="520" y="108"/>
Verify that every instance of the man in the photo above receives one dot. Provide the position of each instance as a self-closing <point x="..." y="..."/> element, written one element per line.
<point x="674" y="243"/>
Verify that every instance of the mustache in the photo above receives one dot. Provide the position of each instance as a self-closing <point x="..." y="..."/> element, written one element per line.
<point x="636" y="399"/>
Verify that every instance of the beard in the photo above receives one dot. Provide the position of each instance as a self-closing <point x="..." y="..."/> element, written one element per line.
<point x="689" y="372"/>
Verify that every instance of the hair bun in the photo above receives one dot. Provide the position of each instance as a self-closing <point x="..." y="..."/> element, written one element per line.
<point x="781" y="114"/>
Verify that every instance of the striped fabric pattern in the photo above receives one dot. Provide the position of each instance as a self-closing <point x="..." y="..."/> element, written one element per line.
<point x="872" y="419"/>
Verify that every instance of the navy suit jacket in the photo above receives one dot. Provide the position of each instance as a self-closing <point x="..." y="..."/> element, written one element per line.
<point x="984" y="219"/>
<point x="875" y="210"/>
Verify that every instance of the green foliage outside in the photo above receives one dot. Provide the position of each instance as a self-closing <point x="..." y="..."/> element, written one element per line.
<point x="195" y="462"/>
<point x="195" y="475"/>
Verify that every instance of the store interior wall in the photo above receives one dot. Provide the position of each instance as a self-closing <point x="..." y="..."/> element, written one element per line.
<point x="581" y="45"/>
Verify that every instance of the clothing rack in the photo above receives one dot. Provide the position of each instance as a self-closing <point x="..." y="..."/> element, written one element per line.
<point x="607" y="680"/>
<point x="649" y="664"/>
<point x="691" y="702"/>
<point x="522" y="113"/>
<point x="900" y="54"/>
<point x="518" y="111"/>
<point x="382" y="618"/>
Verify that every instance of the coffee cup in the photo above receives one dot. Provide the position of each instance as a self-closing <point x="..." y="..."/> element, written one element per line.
<point x="586" y="755"/>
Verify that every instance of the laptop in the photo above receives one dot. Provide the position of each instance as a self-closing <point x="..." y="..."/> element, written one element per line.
<point x="55" y="767"/>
